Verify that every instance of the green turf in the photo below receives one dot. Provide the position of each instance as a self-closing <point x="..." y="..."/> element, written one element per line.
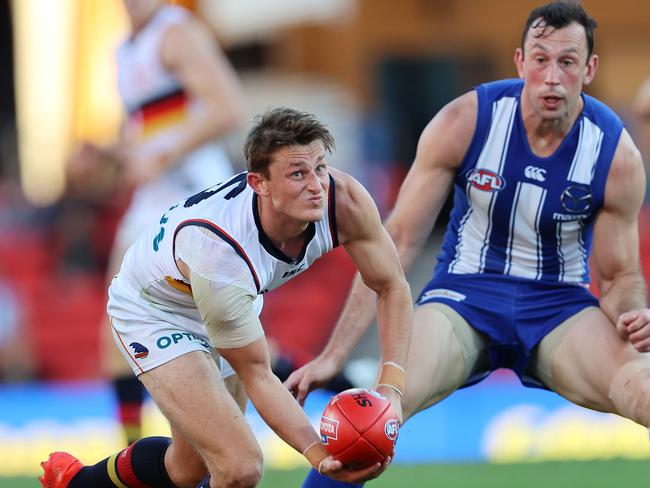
<point x="596" y="474"/>
<point x="593" y="474"/>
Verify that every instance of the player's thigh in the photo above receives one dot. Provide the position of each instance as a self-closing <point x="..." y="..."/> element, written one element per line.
<point x="580" y="357"/>
<point x="191" y="394"/>
<point x="444" y="351"/>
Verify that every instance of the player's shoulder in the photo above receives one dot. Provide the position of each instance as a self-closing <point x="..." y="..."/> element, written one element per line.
<point x="346" y="186"/>
<point x="601" y="114"/>
<point x="448" y="135"/>
<point x="461" y="109"/>
<point x="627" y="164"/>
<point x="496" y="89"/>
<point x="184" y="31"/>
<point x="354" y="205"/>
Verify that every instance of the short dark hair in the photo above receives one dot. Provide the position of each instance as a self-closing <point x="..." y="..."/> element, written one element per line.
<point x="556" y="15"/>
<point x="280" y="127"/>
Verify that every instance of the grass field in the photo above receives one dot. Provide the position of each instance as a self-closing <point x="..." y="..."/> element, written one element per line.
<point x="592" y="474"/>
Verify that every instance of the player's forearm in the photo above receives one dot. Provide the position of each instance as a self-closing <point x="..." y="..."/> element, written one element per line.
<point x="358" y="313"/>
<point x="408" y="246"/>
<point x="626" y="292"/>
<point x="395" y="310"/>
<point x="280" y="410"/>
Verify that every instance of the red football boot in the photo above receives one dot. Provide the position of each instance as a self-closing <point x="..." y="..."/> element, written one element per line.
<point x="59" y="469"/>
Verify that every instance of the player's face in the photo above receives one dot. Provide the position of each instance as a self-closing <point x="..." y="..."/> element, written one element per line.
<point x="298" y="182"/>
<point x="554" y="68"/>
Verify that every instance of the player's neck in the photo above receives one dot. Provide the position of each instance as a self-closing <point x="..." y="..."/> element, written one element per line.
<point x="285" y="232"/>
<point x="546" y="135"/>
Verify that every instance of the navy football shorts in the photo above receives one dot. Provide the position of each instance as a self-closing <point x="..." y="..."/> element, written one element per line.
<point x="514" y="313"/>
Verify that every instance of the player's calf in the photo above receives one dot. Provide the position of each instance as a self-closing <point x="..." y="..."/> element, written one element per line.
<point x="630" y="390"/>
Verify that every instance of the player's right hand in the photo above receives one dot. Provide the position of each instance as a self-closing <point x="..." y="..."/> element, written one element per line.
<point x="634" y="326"/>
<point x="334" y="469"/>
<point x="315" y="374"/>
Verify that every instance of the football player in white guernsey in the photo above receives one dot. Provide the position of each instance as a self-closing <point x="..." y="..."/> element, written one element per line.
<point x="180" y="95"/>
<point x="188" y="292"/>
<point x="539" y="169"/>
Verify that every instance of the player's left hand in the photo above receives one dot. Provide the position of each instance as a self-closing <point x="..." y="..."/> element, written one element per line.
<point x="315" y="374"/>
<point x="635" y="327"/>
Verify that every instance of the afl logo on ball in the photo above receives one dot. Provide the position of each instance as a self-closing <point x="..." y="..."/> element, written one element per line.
<point x="485" y="180"/>
<point x="391" y="429"/>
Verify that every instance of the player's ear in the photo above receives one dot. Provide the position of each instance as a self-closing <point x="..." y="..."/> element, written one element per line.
<point x="592" y="67"/>
<point x="257" y="182"/>
<point x="519" y="62"/>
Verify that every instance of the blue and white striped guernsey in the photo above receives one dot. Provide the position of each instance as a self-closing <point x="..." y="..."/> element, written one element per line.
<point x="522" y="215"/>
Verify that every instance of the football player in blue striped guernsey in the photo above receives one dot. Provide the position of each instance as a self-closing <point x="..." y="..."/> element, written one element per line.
<point x="544" y="177"/>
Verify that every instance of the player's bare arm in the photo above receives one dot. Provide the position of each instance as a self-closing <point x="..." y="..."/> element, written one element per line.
<point x="374" y="254"/>
<point x="231" y="320"/>
<point x="616" y="247"/>
<point x="190" y="52"/>
<point x="441" y="148"/>
<point x="281" y="412"/>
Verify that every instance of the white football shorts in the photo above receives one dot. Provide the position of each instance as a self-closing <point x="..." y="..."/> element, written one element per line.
<point x="147" y="343"/>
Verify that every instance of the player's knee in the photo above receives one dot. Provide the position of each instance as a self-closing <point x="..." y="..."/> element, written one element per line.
<point x="188" y="478"/>
<point x="239" y="468"/>
<point x="247" y="473"/>
<point x="630" y="391"/>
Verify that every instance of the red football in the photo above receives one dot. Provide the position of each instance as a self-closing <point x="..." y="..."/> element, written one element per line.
<point x="359" y="427"/>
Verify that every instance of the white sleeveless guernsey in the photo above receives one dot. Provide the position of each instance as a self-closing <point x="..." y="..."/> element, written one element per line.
<point x="152" y="295"/>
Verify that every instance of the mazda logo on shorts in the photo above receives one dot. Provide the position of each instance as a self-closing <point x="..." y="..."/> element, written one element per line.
<point x="576" y="199"/>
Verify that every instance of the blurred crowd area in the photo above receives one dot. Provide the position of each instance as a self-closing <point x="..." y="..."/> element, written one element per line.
<point x="375" y="71"/>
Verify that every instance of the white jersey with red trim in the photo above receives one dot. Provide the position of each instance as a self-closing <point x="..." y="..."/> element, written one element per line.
<point x="222" y="224"/>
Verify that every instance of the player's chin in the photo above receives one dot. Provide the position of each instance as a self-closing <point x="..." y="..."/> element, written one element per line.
<point x="555" y="113"/>
<point x="313" y="214"/>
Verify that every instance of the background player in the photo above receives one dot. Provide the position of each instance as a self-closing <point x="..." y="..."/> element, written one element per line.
<point x="541" y="172"/>
<point x="180" y="94"/>
<point x="192" y="281"/>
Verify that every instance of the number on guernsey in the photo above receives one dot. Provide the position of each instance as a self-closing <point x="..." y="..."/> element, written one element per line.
<point x="238" y="180"/>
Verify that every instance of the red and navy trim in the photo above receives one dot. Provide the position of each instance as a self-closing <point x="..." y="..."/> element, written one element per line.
<point x="212" y="227"/>
<point x="124" y="470"/>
